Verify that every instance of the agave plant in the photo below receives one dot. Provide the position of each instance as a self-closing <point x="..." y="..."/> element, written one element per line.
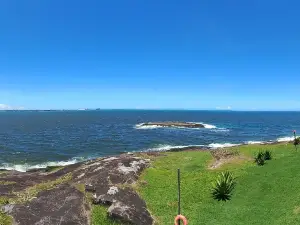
<point x="267" y="155"/>
<point x="260" y="159"/>
<point x="296" y="139"/>
<point x="223" y="187"/>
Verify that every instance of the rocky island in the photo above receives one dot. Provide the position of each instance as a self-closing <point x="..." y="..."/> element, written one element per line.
<point x="173" y="124"/>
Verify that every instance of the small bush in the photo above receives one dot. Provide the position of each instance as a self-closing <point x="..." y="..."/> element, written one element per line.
<point x="260" y="159"/>
<point x="268" y="155"/>
<point x="297" y="141"/>
<point x="223" y="187"/>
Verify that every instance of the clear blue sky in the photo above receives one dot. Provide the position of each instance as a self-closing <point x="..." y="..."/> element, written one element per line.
<point x="150" y="54"/>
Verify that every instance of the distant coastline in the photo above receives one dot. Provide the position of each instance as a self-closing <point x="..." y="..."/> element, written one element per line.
<point x="133" y="109"/>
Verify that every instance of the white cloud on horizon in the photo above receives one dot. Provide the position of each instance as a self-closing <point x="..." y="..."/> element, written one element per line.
<point x="224" y="108"/>
<point x="9" y="107"/>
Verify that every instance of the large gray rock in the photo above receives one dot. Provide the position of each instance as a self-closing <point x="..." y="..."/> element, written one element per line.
<point x="108" y="180"/>
<point x="129" y="207"/>
<point x="64" y="205"/>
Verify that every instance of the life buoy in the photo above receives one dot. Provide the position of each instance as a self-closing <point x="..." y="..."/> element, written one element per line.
<point x="182" y="218"/>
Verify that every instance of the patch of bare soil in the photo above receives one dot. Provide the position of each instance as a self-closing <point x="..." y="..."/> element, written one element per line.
<point x="224" y="156"/>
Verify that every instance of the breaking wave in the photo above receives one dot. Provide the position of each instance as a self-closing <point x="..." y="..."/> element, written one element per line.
<point x="208" y="126"/>
<point x="26" y="167"/>
<point x="218" y="145"/>
<point x="225" y="145"/>
<point x="285" y="139"/>
<point x="162" y="147"/>
<point x="142" y="126"/>
<point x="254" y="142"/>
<point x="172" y="147"/>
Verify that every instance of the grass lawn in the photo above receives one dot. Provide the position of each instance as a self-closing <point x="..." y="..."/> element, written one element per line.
<point x="268" y="194"/>
<point x="99" y="216"/>
<point x="5" y="219"/>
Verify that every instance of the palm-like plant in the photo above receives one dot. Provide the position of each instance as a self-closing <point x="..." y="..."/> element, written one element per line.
<point x="223" y="187"/>
<point x="296" y="139"/>
<point x="268" y="155"/>
<point x="260" y="159"/>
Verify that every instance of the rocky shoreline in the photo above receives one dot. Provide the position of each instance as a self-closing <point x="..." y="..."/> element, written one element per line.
<point x="65" y="195"/>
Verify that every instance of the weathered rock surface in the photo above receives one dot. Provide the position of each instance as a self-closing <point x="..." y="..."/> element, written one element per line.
<point x="130" y="212"/>
<point x="109" y="180"/>
<point x="59" y="206"/>
<point x="20" y="180"/>
<point x="173" y="124"/>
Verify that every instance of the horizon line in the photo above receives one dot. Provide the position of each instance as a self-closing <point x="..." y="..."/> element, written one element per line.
<point x="160" y="109"/>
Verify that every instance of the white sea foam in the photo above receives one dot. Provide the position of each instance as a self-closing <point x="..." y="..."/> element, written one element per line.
<point x="217" y="130"/>
<point x="254" y="142"/>
<point x="224" y="145"/>
<point x="26" y="167"/>
<point x="285" y="139"/>
<point x="144" y="127"/>
<point x="217" y="145"/>
<point x="208" y="126"/>
<point x="171" y="147"/>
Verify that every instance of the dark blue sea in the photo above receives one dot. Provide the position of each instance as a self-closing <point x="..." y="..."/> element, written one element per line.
<point x="34" y="139"/>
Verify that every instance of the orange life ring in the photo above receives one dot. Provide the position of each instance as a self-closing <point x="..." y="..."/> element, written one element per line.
<point x="182" y="218"/>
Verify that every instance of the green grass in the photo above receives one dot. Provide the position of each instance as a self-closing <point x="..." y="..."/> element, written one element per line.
<point x="2" y="173"/>
<point x="98" y="213"/>
<point x="5" y="219"/>
<point x="99" y="217"/>
<point x="6" y="182"/>
<point x="4" y="200"/>
<point x="268" y="194"/>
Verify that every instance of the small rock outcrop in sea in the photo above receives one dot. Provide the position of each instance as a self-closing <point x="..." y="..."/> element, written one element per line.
<point x="65" y="196"/>
<point x="173" y="124"/>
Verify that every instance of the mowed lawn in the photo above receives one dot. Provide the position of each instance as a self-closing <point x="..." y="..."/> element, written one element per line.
<point x="268" y="194"/>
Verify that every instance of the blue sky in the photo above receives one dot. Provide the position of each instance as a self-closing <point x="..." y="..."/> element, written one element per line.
<point x="150" y="54"/>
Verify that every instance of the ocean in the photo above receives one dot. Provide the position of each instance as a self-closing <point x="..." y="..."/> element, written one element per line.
<point x="36" y="139"/>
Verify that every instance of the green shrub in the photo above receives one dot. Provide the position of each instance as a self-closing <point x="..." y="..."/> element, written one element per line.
<point x="268" y="155"/>
<point x="223" y="187"/>
<point x="260" y="159"/>
<point x="297" y="141"/>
